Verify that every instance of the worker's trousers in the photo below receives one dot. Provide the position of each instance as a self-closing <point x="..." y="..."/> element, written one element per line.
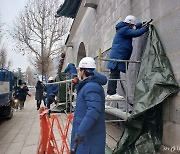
<point x="38" y="104"/>
<point x="112" y="84"/>
<point x="49" y="101"/>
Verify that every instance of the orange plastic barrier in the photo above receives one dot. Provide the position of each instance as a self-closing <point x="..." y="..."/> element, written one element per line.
<point x="47" y="144"/>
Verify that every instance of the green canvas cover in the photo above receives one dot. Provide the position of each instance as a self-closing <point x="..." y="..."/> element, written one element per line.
<point x="62" y="87"/>
<point x="58" y="109"/>
<point x="143" y="132"/>
<point x="69" y="8"/>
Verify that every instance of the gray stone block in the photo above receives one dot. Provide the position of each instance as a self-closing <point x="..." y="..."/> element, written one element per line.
<point x="160" y="8"/>
<point x="174" y="109"/>
<point x="166" y="109"/>
<point x="170" y="41"/>
<point x="174" y="60"/>
<point x="139" y="6"/>
<point x="171" y="134"/>
<point x="177" y="76"/>
<point x="119" y="2"/>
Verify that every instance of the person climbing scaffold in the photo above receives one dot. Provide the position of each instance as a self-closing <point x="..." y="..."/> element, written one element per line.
<point x="122" y="49"/>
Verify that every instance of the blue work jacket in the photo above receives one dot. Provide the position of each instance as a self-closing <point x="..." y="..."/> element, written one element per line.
<point x="71" y="69"/>
<point x="51" y="89"/>
<point x="89" y="117"/>
<point x="122" y="44"/>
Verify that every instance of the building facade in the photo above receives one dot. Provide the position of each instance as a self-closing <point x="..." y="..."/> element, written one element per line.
<point x="93" y="29"/>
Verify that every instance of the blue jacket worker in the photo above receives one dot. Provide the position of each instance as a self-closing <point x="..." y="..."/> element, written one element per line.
<point x="88" y="131"/>
<point x="122" y="49"/>
<point x="51" y="91"/>
<point x="71" y="70"/>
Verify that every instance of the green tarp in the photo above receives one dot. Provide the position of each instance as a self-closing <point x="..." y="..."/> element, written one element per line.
<point x="62" y="94"/>
<point x="155" y="83"/>
<point x="69" y="8"/>
<point x="62" y="87"/>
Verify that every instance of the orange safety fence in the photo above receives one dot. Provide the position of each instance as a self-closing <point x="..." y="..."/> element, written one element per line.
<point x="47" y="143"/>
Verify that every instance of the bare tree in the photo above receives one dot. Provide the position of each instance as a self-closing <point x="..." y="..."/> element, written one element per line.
<point x="30" y="76"/>
<point x="9" y="64"/>
<point x="45" y="63"/>
<point x="4" y="62"/>
<point x="38" y="33"/>
<point x="3" y="57"/>
<point x="1" y="32"/>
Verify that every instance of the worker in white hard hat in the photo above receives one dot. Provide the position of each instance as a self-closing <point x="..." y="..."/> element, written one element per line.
<point x="88" y="131"/>
<point x="122" y="49"/>
<point x="51" y="91"/>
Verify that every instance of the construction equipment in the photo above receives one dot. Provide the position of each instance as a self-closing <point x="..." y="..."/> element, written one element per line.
<point x="48" y="144"/>
<point x="6" y="93"/>
<point x="68" y="92"/>
<point x="114" y="110"/>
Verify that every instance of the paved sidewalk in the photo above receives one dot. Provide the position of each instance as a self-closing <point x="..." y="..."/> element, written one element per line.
<point x="20" y="135"/>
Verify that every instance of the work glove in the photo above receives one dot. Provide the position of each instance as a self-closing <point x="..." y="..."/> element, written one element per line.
<point x="78" y="139"/>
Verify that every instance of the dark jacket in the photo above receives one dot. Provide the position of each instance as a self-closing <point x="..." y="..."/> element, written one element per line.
<point x="22" y="93"/>
<point x="89" y="117"/>
<point x="16" y="90"/>
<point x="71" y="70"/>
<point x="39" y="91"/>
<point x="122" y="43"/>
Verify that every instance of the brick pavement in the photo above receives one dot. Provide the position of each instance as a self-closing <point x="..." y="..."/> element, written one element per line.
<point x="20" y="135"/>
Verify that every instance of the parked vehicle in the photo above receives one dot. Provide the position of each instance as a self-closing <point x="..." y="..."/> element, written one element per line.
<point x="6" y="93"/>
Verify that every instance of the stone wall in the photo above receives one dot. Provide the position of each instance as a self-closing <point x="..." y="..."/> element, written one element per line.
<point x="95" y="28"/>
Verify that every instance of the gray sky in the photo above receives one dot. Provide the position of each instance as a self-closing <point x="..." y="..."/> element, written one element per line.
<point x="9" y="9"/>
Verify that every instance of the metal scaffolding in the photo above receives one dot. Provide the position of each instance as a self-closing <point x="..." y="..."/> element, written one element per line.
<point x="121" y="115"/>
<point x="69" y="93"/>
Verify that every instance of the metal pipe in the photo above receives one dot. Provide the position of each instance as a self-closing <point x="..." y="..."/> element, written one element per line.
<point x="114" y="120"/>
<point x="126" y="91"/>
<point x="60" y="82"/>
<point x="117" y="112"/>
<point x="117" y="79"/>
<point x="116" y="60"/>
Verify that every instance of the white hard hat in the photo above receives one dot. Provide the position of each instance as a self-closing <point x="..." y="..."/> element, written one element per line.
<point x="50" y="78"/>
<point x="87" y="62"/>
<point x="130" y="19"/>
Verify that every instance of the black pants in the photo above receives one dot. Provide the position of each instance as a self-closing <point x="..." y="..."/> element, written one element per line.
<point x="38" y="103"/>
<point x="112" y="84"/>
<point x="23" y="102"/>
<point x="44" y="100"/>
<point x="49" y="101"/>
